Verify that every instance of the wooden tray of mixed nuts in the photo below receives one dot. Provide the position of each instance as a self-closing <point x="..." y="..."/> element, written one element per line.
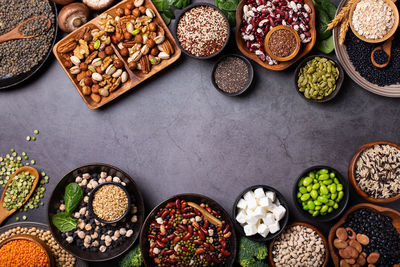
<point x="116" y="51"/>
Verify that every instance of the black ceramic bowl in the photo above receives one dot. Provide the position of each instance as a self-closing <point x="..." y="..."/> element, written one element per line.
<point x="90" y="202"/>
<point x="247" y="85"/>
<point x="342" y="203"/>
<point x="180" y="14"/>
<point x="58" y="194"/>
<point x="14" y="80"/>
<point x="197" y="198"/>
<point x="339" y="81"/>
<point x="282" y="223"/>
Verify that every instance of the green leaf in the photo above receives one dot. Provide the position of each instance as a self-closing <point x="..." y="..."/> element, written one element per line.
<point x="231" y="17"/>
<point x="227" y="5"/>
<point x="166" y="19"/>
<point x="73" y="196"/>
<point x="169" y="14"/>
<point x="161" y="5"/>
<point x="64" y="222"/>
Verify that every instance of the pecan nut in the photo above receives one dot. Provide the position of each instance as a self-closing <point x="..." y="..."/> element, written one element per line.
<point x="145" y="64"/>
<point x="167" y="47"/>
<point x="68" y="46"/>
<point x="92" y="56"/>
<point x="128" y="44"/>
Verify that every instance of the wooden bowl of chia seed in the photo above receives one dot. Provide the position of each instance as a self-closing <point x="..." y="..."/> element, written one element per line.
<point x="232" y="75"/>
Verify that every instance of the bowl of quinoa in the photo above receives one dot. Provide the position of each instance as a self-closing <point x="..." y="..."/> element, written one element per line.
<point x="202" y="31"/>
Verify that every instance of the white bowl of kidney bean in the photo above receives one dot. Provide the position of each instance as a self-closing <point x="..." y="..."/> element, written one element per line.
<point x="188" y="230"/>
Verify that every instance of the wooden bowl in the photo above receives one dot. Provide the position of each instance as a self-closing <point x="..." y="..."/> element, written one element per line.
<point x="282" y="65"/>
<point x="326" y="260"/>
<point x="395" y="215"/>
<point x="268" y="50"/>
<point x="283" y="222"/>
<point x="35" y="240"/>
<point x="197" y="198"/>
<point x="388" y="35"/>
<point x="58" y="194"/>
<point x="339" y="81"/>
<point x="352" y="177"/>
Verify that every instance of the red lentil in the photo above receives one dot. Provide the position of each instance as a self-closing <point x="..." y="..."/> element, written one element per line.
<point x="23" y="253"/>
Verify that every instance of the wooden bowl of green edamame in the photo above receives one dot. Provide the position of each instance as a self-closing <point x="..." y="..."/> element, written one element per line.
<point x="321" y="193"/>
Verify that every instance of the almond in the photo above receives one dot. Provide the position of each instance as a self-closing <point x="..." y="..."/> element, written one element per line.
<point x="363" y="239"/>
<point x="355" y="244"/>
<point x="339" y="243"/>
<point x="373" y="257"/>
<point x="341" y="233"/>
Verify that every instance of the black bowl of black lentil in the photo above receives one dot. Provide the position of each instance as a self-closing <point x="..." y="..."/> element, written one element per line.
<point x="232" y="75"/>
<point x="118" y="246"/>
<point x="46" y="41"/>
<point x="231" y="244"/>
<point x="209" y="22"/>
<point x="339" y="81"/>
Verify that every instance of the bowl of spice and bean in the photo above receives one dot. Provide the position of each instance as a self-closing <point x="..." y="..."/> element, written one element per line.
<point x="318" y="78"/>
<point x="202" y="31"/>
<point x="93" y="232"/>
<point x="374" y="172"/>
<point x="321" y="193"/>
<point x="232" y="75"/>
<point x="300" y="244"/>
<point x="366" y="235"/>
<point x="21" y="58"/>
<point x="188" y="230"/>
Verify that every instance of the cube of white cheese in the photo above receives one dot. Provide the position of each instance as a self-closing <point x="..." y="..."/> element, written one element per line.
<point x="251" y="219"/>
<point x="250" y="229"/>
<point x="263" y="230"/>
<point x="279" y="212"/>
<point x="268" y="219"/>
<point x="252" y="204"/>
<point x="271" y="195"/>
<point x="242" y="204"/>
<point x="249" y="195"/>
<point x="273" y="228"/>
<point x="241" y="217"/>
<point x="259" y="212"/>
<point x="271" y="207"/>
<point x="259" y="193"/>
<point x="265" y="202"/>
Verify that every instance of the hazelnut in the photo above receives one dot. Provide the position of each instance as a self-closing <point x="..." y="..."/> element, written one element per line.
<point x="94" y="81"/>
<point x="109" y="51"/>
<point x="88" y="81"/>
<point x="130" y="5"/>
<point x="118" y="63"/>
<point x="150" y="43"/>
<point x="95" y="88"/>
<point x="118" y="36"/>
<point x="88" y="37"/>
<point x="124" y="52"/>
<point x="136" y="12"/>
<point x="68" y="64"/>
<point x="127" y="36"/>
<point x="89" y="73"/>
<point x="152" y="27"/>
<point x="98" y="70"/>
<point x="119" y="12"/>
<point x="127" y="11"/>
<point x="91" y="47"/>
<point x="132" y="65"/>
<point x="114" y="39"/>
<point x="154" y="51"/>
<point x="142" y="10"/>
<point x="101" y="54"/>
<point x="138" y="39"/>
<point x="83" y="66"/>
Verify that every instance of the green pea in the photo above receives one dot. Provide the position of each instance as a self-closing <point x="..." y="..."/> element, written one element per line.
<point x="323" y="190"/>
<point x="314" y="194"/>
<point x="309" y="188"/>
<point x="307" y="181"/>
<point x="324" y="208"/>
<point x="339" y="187"/>
<point x="305" y="197"/>
<point x="315" y="186"/>
<point x="332" y="188"/>
<point x="323" y="176"/>
<point x="302" y="190"/>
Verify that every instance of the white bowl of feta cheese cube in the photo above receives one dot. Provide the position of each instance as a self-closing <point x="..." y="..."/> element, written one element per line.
<point x="260" y="213"/>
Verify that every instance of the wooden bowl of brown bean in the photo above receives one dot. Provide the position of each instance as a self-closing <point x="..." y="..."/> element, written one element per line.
<point x="312" y="227"/>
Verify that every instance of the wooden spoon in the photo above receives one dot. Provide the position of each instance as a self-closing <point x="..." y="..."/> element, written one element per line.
<point x="4" y="213"/>
<point x="387" y="47"/>
<point x="16" y="34"/>
<point x="206" y="214"/>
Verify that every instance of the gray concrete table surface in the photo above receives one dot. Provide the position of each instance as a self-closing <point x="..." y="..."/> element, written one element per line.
<point x="175" y="133"/>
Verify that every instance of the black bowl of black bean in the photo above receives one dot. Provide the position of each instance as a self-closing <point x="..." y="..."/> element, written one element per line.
<point x="27" y="56"/>
<point x="92" y="240"/>
<point x="318" y="85"/>
<point x="232" y="75"/>
<point x="202" y="30"/>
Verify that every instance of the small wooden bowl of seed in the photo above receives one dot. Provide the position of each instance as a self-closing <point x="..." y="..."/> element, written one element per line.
<point x="282" y="43"/>
<point x="232" y="75"/>
<point x="374" y="172"/>
<point x="109" y="202"/>
<point x="382" y="22"/>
